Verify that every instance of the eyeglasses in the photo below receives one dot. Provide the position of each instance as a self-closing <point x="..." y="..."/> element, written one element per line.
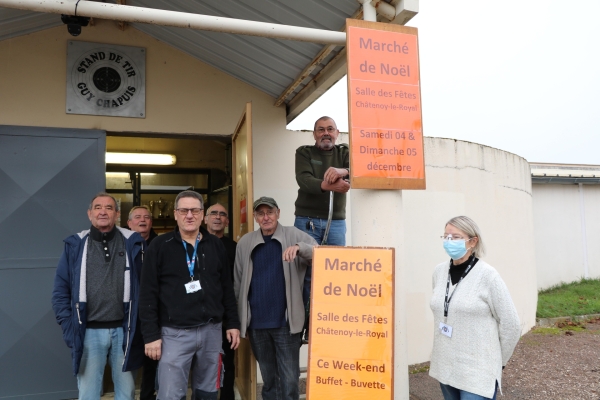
<point x="185" y="211"/>
<point x="269" y="213"/>
<point x="329" y="129"/>
<point x="454" y="237"/>
<point x="218" y="214"/>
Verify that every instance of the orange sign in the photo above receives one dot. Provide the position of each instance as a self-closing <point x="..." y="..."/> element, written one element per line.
<point x="351" y="351"/>
<point x="386" y="135"/>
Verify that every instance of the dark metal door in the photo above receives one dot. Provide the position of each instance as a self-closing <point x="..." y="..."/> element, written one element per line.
<point x="47" y="178"/>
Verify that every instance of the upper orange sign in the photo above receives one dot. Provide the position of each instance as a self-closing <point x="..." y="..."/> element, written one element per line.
<point x="386" y="136"/>
<point x="351" y="351"/>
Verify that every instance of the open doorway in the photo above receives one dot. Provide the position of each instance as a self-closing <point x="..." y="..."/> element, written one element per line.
<point x="201" y="164"/>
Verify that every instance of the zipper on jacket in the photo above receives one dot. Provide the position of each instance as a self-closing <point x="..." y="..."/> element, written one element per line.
<point x="78" y="316"/>
<point x="128" y="331"/>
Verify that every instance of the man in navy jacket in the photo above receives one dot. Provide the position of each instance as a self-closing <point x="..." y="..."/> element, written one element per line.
<point x="95" y="300"/>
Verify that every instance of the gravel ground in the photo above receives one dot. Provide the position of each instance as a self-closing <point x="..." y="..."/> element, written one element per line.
<point x="544" y="366"/>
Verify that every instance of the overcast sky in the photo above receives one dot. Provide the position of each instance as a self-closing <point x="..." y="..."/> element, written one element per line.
<point x="521" y="76"/>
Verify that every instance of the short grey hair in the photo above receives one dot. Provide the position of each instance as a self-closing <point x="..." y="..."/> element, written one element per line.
<point x="189" y="193"/>
<point x="104" y="194"/>
<point x="137" y="208"/>
<point x="323" y="118"/>
<point x="468" y="226"/>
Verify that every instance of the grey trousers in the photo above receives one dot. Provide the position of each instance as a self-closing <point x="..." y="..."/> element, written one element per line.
<point x="180" y="347"/>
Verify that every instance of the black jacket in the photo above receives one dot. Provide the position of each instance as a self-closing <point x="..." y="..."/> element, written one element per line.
<point x="163" y="297"/>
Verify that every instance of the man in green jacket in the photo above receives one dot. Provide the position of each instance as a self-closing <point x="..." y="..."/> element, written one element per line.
<point x="320" y="170"/>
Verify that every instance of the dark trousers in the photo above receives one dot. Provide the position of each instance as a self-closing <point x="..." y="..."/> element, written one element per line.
<point x="278" y="355"/>
<point x="148" y="387"/>
<point x="229" y="378"/>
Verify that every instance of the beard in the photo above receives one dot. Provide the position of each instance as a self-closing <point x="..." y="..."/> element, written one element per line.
<point x="325" y="145"/>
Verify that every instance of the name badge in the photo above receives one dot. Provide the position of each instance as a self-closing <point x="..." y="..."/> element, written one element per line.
<point x="193" y="286"/>
<point x="445" y="330"/>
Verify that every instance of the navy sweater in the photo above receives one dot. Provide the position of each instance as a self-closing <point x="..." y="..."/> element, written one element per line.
<point x="267" y="286"/>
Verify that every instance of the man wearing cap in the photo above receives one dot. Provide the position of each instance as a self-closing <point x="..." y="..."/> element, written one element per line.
<point x="216" y="220"/>
<point x="270" y="264"/>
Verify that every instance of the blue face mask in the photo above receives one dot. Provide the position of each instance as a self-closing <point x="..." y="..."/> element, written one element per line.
<point x="456" y="249"/>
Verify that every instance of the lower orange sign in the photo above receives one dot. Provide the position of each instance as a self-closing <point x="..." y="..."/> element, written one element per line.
<point x="351" y="351"/>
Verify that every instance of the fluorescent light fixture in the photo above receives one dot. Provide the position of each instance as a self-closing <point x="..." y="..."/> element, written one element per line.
<point x="124" y="174"/>
<point x="140" y="158"/>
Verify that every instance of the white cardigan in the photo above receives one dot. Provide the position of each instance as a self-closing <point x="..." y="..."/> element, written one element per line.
<point x="485" y="330"/>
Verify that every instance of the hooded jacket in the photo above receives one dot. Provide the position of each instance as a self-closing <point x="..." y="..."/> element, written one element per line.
<point x="69" y="297"/>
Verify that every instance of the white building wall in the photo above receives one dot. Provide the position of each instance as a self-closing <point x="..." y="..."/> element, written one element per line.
<point x="492" y="187"/>
<point x="591" y="195"/>
<point x="559" y="239"/>
<point x="489" y="185"/>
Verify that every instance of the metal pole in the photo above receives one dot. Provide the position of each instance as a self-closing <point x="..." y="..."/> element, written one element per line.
<point x="328" y="226"/>
<point x="178" y="19"/>
<point x="369" y="11"/>
<point x="586" y="270"/>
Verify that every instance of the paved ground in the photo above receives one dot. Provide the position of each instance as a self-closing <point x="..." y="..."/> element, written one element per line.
<point x="547" y="364"/>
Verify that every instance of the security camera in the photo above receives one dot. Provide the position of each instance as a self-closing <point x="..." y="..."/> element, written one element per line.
<point x="74" y="23"/>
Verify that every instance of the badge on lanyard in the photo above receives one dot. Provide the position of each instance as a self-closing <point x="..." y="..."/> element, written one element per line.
<point x="193" y="285"/>
<point x="445" y="330"/>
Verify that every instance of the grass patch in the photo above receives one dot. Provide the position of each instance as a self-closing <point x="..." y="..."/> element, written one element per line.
<point x="418" y="368"/>
<point x="570" y="299"/>
<point x="547" y="331"/>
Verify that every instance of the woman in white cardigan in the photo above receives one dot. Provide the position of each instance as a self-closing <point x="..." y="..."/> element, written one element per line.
<point x="475" y="321"/>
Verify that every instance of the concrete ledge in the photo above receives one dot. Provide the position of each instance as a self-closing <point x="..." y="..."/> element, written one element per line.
<point x="547" y="322"/>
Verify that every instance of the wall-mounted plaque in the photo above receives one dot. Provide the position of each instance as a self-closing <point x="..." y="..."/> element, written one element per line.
<point x="105" y="79"/>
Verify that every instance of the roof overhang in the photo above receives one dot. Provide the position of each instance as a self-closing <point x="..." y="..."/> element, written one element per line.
<point x="295" y="73"/>
<point x="565" y="174"/>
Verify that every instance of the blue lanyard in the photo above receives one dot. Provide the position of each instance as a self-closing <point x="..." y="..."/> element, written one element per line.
<point x="192" y="262"/>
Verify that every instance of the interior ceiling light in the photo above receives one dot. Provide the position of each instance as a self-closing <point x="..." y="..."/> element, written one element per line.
<point x="140" y="158"/>
<point x="125" y="174"/>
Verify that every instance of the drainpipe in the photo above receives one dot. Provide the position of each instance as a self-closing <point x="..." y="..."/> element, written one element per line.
<point x="586" y="270"/>
<point x="399" y="14"/>
<point x="178" y="19"/>
<point x="369" y="11"/>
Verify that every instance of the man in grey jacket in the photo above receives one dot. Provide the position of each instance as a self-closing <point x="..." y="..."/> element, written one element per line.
<point x="270" y="265"/>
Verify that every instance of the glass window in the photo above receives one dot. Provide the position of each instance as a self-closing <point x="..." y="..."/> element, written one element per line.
<point x="177" y="182"/>
<point x="118" y="180"/>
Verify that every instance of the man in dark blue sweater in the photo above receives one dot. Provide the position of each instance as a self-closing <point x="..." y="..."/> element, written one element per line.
<point x="270" y="264"/>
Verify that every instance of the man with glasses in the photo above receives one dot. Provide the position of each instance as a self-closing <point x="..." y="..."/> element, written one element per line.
<point x="186" y="296"/>
<point x="320" y="170"/>
<point x="95" y="301"/>
<point x="270" y="264"/>
<point x="216" y="220"/>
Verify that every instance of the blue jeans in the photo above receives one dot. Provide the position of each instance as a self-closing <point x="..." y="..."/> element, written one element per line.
<point x="97" y="346"/>
<point x="336" y="237"/>
<point x="278" y="355"/>
<point x="452" y="393"/>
